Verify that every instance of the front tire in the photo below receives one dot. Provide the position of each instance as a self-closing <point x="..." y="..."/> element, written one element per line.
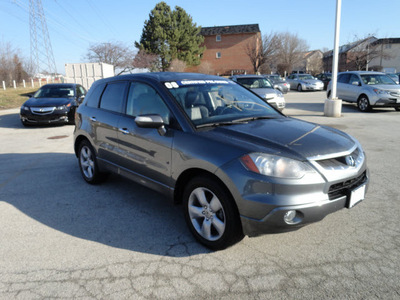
<point x="88" y="164"/>
<point x="211" y="214"/>
<point x="363" y="104"/>
<point x="299" y="88"/>
<point x="397" y="108"/>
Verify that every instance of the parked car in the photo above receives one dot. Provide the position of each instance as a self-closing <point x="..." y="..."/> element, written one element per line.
<point x="278" y="83"/>
<point x="237" y="165"/>
<point x="304" y="82"/>
<point x="325" y="78"/>
<point x="367" y="89"/>
<point x="52" y="103"/>
<point x="262" y="87"/>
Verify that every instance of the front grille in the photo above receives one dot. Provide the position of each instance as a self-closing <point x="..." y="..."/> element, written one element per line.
<point x="343" y="188"/>
<point x="42" y="110"/>
<point x="395" y="94"/>
<point x="340" y="163"/>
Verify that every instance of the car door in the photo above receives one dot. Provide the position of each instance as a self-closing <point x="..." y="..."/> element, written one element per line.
<point x="342" y="86"/>
<point x="354" y="87"/>
<point x="145" y="152"/>
<point x="104" y="121"/>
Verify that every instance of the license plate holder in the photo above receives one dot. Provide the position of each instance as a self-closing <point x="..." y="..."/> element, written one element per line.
<point x="356" y="196"/>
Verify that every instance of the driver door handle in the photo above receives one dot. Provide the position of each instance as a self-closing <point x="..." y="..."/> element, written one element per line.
<point x="123" y="130"/>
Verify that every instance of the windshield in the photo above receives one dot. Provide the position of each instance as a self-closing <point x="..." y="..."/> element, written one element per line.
<point x="54" y="92"/>
<point x="305" y="77"/>
<point x="374" y="79"/>
<point x="276" y="78"/>
<point x="218" y="102"/>
<point x="255" y="83"/>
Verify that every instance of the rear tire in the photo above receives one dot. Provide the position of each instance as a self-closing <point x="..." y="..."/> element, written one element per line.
<point x="363" y="104"/>
<point x="299" y="88"/>
<point x="88" y="164"/>
<point x="397" y="108"/>
<point x="211" y="214"/>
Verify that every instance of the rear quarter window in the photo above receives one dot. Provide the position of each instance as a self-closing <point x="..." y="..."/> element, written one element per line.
<point x="113" y="96"/>
<point x="93" y="95"/>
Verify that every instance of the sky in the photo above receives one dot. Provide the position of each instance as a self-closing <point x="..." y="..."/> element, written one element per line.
<point x="74" y="25"/>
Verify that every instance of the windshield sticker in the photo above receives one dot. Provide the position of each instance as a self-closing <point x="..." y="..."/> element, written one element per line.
<point x="175" y="85"/>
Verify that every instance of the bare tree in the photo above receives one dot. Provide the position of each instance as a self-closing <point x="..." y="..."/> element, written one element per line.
<point x="270" y="45"/>
<point x="206" y="68"/>
<point x="11" y="64"/>
<point x="364" y="51"/>
<point x="113" y="53"/>
<point x="145" y="60"/>
<point x="290" y="50"/>
<point x="177" y="65"/>
<point x="254" y="50"/>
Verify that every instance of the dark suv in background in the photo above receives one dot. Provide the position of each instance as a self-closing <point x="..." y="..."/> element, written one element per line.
<point x="237" y="165"/>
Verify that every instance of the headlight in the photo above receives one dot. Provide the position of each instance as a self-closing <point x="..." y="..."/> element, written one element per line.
<point x="60" y="107"/>
<point x="279" y="94"/>
<point x="275" y="166"/>
<point x="23" y="107"/>
<point x="381" y="92"/>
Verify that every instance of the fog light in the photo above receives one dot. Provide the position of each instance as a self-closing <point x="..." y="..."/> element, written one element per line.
<point x="289" y="217"/>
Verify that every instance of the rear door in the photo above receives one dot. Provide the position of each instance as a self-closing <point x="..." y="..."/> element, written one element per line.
<point x="342" y="86"/>
<point x="104" y="121"/>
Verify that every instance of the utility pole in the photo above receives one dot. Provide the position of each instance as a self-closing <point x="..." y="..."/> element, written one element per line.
<point x="42" y="57"/>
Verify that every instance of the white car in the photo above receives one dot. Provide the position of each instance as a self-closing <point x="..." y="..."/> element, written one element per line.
<point x="367" y="89"/>
<point x="262" y="87"/>
<point x="304" y="82"/>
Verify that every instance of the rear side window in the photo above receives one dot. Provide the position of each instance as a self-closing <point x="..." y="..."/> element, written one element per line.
<point x="344" y="78"/>
<point x="113" y="96"/>
<point x="93" y="96"/>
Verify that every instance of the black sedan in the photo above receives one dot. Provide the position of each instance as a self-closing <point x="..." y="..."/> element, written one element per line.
<point x="53" y="103"/>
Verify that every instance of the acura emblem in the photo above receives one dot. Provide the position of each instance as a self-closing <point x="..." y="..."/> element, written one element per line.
<point x="350" y="161"/>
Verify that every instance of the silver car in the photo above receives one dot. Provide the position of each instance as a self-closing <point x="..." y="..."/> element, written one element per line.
<point x="279" y="83"/>
<point x="262" y="87"/>
<point x="367" y="89"/>
<point x="237" y="166"/>
<point x="304" y="82"/>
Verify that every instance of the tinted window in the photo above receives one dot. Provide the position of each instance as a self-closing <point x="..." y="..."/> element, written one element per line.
<point x="143" y="99"/>
<point x="354" y="78"/>
<point x="94" y="94"/>
<point x="344" y="78"/>
<point x="113" y="96"/>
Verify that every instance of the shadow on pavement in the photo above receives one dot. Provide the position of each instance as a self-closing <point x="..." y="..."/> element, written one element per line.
<point x="48" y="187"/>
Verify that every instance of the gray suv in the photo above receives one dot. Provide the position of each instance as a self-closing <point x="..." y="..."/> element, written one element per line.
<point x="237" y="166"/>
<point x="367" y="89"/>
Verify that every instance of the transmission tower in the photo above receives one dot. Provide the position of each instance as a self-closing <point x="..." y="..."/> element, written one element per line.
<point x="42" y="58"/>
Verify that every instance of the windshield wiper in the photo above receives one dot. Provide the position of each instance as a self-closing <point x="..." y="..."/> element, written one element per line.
<point x="233" y="122"/>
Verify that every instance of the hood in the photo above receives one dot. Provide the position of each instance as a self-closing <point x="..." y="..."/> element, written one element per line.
<point x="32" y="102"/>
<point x="386" y="87"/>
<point x="285" y="136"/>
<point x="266" y="93"/>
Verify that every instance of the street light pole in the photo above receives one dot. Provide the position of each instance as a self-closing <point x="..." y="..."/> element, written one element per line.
<point x="333" y="106"/>
<point x="336" y="49"/>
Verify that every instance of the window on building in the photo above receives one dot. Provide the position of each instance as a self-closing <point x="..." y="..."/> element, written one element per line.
<point x="218" y="38"/>
<point x="218" y="55"/>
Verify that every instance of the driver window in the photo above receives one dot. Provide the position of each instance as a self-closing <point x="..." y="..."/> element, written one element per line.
<point x="144" y="100"/>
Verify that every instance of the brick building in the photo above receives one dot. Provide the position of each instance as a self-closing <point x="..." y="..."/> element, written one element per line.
<point x="226" y="49"/>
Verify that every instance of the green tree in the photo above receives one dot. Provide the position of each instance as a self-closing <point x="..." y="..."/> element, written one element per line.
<point x="171" y="35"/>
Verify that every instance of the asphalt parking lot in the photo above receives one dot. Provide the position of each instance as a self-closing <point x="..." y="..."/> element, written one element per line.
<point x="63" y="238"/>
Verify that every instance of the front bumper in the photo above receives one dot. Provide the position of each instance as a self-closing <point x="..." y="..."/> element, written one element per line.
<point x="312" y="87"/>
<point x="57" y="116"/>
<point x="387" y="102"/>
<point x="263" y="203"/>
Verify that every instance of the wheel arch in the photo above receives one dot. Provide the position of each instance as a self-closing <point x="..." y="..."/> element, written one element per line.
<point x="78" y="141"/>
<point x="189" y="174"/>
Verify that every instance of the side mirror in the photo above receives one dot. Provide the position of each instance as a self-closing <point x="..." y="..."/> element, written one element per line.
<point x="81" y="98"/>
<point x="151" y="121"/>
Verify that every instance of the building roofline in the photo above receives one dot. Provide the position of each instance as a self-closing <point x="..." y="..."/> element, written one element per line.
<point x="230" y="29"/>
